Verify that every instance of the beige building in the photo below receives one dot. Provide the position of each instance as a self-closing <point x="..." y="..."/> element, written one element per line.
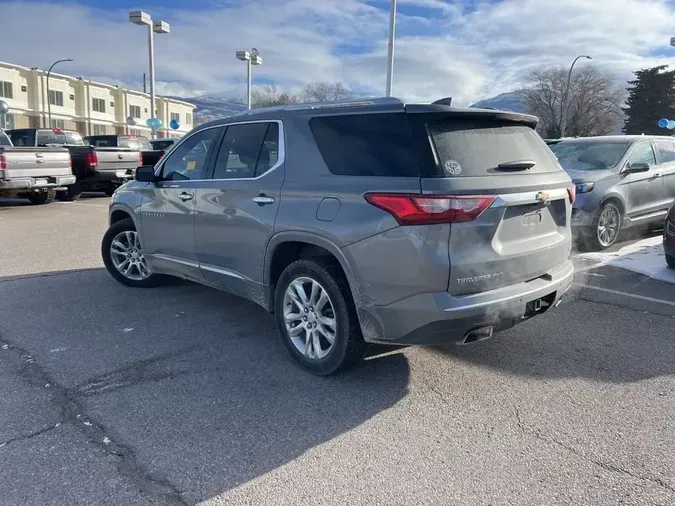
<point x="89" y="107"/>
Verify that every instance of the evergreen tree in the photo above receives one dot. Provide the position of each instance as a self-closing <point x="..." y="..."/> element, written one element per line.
<point x="651" y="96"/>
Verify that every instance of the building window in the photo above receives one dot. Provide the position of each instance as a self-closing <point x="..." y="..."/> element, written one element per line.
<point x="135" y="131"/>
<point x="6" y="90"/>
<point x="98" y="104"/>
<point x="7" y="121"/>
<point x="56" y="97"/>
<point x="58" y="123"/>
<point x="100" y="130"/>
<point x="188" y="119"/>
<point x="175" y="116"/>
<point x="135" y="111"/>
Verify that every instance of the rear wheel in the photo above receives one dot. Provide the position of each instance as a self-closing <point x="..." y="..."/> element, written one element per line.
<point x="72" y="193"/>
<point x="123" y="256"/>
<point x="606" y="227"/>
<point x="42" y="197"/>
<point x="316" y="317"/>
<point x="110" y="190"/>
<point x="670" y="260"/>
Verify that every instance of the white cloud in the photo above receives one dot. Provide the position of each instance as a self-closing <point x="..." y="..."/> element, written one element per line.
<point x="443" y="49"/>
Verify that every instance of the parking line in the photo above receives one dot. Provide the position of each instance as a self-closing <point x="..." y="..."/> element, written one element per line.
<point x="626" y="294"/>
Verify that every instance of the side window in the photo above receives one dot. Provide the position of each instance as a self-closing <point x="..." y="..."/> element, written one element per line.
<point x="242" y="150"/>
<point x="189" y="159"/>
<point x="642" y="153"/>
<point x="666" y="150"/>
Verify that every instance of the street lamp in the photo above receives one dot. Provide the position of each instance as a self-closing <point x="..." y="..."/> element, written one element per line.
<point x="143" y="18"/>
<point x="563" y="113"/>
<point x="4" y="109"/>
<point x="252" y="58"/>
<point x="390" y="49"/>
<point x="49" y="104"/>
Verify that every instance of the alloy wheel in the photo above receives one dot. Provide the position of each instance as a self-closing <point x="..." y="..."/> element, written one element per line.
<point x="127" y="256"/>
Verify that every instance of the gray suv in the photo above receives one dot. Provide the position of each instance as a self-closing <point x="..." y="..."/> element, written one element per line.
<point x="356" y="222"/>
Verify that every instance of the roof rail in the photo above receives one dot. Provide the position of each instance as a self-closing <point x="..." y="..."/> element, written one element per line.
<point x="322" y="105"/>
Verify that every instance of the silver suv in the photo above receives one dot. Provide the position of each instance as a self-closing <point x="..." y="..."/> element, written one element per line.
<point x="356" y="222"/>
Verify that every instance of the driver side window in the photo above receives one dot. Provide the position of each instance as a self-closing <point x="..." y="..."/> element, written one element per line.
<point x="188" y="161"/>
<point x="642" y="153"/>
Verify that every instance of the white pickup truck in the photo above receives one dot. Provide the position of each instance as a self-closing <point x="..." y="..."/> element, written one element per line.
<point x="33" y="173"/>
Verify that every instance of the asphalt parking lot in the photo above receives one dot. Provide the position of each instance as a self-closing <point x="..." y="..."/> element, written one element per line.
<point x="185" y="395"/>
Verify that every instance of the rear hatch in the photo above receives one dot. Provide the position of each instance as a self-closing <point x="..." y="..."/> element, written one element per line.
<point x="512" y="198"/>
<point x="40" y="163"/>
<point x="121" y="160"/>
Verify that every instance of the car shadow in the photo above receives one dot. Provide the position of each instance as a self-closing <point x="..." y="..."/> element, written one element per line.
<point x="195" y="383"/>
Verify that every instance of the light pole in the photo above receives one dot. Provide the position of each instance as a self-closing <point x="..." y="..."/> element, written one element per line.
<point x="49" y="104"/>
<point x="390" y="49"/>
<point x="563" y="112"/>
<point x="143" y="18"/>
<point x="252" y="58"/>
<point x="4" y="109"/>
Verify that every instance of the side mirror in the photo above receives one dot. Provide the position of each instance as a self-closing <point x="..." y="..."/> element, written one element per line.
<point x="146" y="174"/>
<point x="634" y="168"/>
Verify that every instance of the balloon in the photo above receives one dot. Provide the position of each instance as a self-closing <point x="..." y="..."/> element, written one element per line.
<point x="131" y="121"/>
<point x="663" y="122"/>
<point x="154" y="123"/>
<point x="174" y="124"/>
<point x="4" y="107"/>
<point x="671" y="124"/>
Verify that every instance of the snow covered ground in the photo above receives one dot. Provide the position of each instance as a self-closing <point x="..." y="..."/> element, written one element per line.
<point x="645" y="256"/>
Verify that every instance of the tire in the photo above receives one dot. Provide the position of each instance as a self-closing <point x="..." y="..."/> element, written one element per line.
<point x="122" y="231"/>
<point x="73" y="192"/>
<point x="110" y="190"/>
<point x="42" y="197"/>
<point x="348" y="347"/>
<point x="595" y="238"/>
<point x="670" y="260"/>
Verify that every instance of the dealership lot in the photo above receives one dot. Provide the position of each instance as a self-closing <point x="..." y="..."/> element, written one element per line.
<point x="184" y="395"/>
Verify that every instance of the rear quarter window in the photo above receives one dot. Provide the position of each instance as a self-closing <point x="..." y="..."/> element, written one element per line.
<point x="468" y="148"/>
<point x="366" y="145"/>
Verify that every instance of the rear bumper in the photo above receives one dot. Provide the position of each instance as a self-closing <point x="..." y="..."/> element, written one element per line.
<point x="113" y="176"/>
<point x="441" y="318"/>
<point x="36" y="183"/>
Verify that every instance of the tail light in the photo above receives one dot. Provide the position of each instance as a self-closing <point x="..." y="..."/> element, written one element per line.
<point x="572" y="193"/>
<point x="429" y="209"/>
<point x="140" y="158"/>
<point x="3" y="162"/>
<point x="91" y="160"/>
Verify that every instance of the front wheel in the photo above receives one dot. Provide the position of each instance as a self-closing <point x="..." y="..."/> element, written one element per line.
<point x="46" y="197"/>
<point x="123" y="256"/>
<point x="316" y="317"/>
<point x="606" y="227"/>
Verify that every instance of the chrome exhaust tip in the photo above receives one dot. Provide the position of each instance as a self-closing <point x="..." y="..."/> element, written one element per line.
<point x="475" y="335"/>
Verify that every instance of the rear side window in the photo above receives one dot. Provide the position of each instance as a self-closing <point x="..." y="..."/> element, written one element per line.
<point x="467" y="148"/>
<point x="366" y="145"/>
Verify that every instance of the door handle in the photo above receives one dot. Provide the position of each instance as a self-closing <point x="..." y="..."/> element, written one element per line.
<point x="263" y="199"/>
<point x="655" y="176"/>
<point x="185" y="196"/>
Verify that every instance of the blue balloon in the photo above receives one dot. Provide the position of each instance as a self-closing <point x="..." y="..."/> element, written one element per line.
<point x="154" y="123"/>
<point x="671" y="124"/>
<point x="663" y="123"/>
<point x="174" y="124"/>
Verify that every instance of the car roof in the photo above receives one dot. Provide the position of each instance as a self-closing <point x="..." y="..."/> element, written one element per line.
<point x="614" y="138"/>
<point x="364" y="106"/>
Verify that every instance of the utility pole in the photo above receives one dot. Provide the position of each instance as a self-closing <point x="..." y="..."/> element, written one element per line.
<point x="145" y="83"/>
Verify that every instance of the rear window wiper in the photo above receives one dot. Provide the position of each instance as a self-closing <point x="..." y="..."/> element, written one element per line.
<point x="517" y="165"/>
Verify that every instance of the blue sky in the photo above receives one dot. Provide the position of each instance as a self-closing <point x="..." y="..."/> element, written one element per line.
<point x="465" y="49"/>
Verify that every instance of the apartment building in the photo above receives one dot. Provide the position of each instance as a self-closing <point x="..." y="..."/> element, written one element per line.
<point x="90" y="107"/>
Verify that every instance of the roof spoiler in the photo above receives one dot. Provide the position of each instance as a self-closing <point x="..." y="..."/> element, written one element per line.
<point x="443" y="101"/>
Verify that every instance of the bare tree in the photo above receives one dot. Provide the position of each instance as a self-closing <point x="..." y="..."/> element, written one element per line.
<point x="270" y="96"/>
<point x="326" y="92"/>
<point x="593" y="104"/>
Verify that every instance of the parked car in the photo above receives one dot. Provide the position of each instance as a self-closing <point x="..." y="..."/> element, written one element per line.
<point x="356" y="222"/>
<point x="164" y="143"/>
<point x="96" y="168"/>
<point x="33" y="173"/>
<point x="669" y="237"/>
<point x="621" y="181"/>
<point x="149" y="154"/>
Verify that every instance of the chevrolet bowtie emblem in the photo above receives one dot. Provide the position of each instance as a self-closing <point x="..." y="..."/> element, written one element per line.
<point x="544" y="197"/>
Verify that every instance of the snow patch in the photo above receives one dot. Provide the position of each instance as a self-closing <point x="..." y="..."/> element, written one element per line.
<point x="646" y="257"/>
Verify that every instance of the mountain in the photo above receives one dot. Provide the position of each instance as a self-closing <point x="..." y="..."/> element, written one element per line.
<point x="510" y="101"/>
<point x="210" y="107"/>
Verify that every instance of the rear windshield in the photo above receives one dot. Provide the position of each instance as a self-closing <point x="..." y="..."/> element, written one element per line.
<point x="586" y="156"/>
<point x="467" y="148"/>
<point x="366" y="144"/>
<point x="161" y="145"/>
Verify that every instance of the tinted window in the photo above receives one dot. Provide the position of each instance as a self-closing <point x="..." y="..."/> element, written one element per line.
<point x="240" y="151"/>
<point x="585" y="155"/>
<point x="666" y="151"/>
<point x="189" y="159"/>
<point x="46" y="137"/>
<point x="161" y="145"/>
<point x="21" y="138"/>
<point x="74" y="138"/>
<point x="4" y="140"/>
<point x="642" y="153"/>
<point x="108" y="141"/>
<point x="366" y="145"/>
<point x="471" y="148"/>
